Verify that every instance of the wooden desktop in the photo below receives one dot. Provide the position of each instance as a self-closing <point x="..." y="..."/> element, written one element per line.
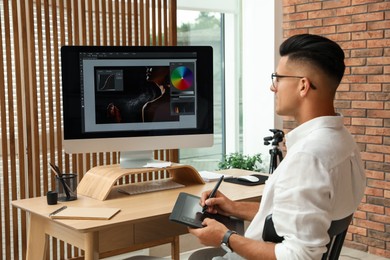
<point x="141" y="223"/>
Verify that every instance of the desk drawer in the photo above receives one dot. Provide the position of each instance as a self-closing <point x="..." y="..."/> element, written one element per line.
<point x="116" y="238"/>
<point x="157" y="229"/>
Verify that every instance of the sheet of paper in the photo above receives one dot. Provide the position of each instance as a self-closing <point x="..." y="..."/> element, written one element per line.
<point x="157" y="165"/>
<point x="209" y="176"/>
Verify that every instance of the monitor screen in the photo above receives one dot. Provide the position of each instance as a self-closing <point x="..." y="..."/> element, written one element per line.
<point x="140" y="98"/>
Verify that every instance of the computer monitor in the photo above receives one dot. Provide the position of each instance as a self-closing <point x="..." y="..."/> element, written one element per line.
<point x="136" y="99"/>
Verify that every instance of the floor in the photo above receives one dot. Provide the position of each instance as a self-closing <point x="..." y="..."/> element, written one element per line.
<point x="346" y="254"/>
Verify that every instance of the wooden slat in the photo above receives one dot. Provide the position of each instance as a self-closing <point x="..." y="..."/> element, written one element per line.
<point x="34" y="116"/>
<point x="3" y="122"/>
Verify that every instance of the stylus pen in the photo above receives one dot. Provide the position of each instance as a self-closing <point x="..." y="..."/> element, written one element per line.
<point x="214" y="191"/>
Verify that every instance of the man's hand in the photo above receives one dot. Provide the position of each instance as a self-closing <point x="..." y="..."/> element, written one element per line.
<point x="211" y="234"/>
<point x="219" y="204"/>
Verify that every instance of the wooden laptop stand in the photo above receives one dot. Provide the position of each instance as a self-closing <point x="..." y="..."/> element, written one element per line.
<point x="98" y="181"/>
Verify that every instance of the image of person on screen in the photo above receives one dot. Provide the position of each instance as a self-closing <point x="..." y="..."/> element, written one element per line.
<point x="159" y="109"/>
<point x="125" y="104"/>
<point x="321" y="179"/>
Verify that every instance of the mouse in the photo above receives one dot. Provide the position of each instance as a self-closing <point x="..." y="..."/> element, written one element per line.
<point x="248" y="178"/>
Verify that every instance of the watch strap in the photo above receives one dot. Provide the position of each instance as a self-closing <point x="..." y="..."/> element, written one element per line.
<point x="225" y="239"/>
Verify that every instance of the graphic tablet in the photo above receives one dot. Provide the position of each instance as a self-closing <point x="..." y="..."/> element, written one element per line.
<point x="188" y="211"/>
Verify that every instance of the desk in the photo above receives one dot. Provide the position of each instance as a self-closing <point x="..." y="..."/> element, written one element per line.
<point x="142" y="222"/>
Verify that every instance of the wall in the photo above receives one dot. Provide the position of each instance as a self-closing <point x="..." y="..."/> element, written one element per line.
<point x="362" y="28"/>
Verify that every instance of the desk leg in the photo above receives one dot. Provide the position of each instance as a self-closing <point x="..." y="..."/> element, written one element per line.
<point x="175" y="248"/>
<point x="91" y="248"/>
<point x="37" y="238"/>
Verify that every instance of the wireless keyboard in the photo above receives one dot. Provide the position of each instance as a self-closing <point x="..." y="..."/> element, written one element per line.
<point x="150" y="186"/>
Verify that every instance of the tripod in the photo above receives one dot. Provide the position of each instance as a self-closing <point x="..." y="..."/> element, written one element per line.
<point x="275" y="152"/>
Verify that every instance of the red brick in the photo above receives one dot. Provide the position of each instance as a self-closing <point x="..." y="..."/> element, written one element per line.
<point x="367" y="121"/>
<point x="323" y="30"/>
<point x="342" y="104"/>
<point x="351" y="95"/>
<point x="357" y="230"/>
<point x="289" y="25"/>
<point x="367" y="70"/>
<point x="354" y="79"/>
<point x="378" y="25"/>
<point x="377" y="16"/>
<point x="340" y="37"/>
<point x="335" y="4"/>
<point x="337" y="20"/>
<point x="379" y="97"/>
<point x="375" y="157"/>
<point x="295" y="16"/>
<point x="371" y="208"/>
<point x="352" y="27"/>
<point x="309" y="23"/>
<point x="374" y="192"/>
<point x="378" y="43"/>
<point x="351" y="10"/>
<point x="367" y="35"/>
<point x="370" y="224"/>
<point x="379" y="113"/>
<point x="384" y="6"/>
<point x="379" y="218"/>
<point x="343" y="87"/>
<point x="378" y="131"/>
<point x="288" y="9"/>
<point x="378" y="148"/>
<point x="368" y="139"/>
<point x="356" y="130"/>
<point x="378" y="61"/>
<point x="360" y="214"/>
<point x="308" y="7"/>
<point x="288" y="33"/>
<point x="375" y="175"/>
<point x="367" y="104"/>
<point x="378" y="78"/>
<point x="353" y="45"/>
<point x="355" y="62"/>
<point x="293" y="2"/>
<point x="367" y="53"/>
<point x="366" y="87"/>
<point x="322" y="14"/>
<point x="353" y="112"/>
<point x="378" y="184"/>
<point x="386" y="194"/>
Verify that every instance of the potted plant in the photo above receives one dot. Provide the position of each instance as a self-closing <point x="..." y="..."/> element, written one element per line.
<point x="241" y="161"/>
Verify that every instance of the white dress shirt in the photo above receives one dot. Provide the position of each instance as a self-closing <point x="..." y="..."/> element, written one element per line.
<point x="321" y="179"/>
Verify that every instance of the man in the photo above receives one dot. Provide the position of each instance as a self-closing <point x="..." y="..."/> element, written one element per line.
<point x="321" y="178"/>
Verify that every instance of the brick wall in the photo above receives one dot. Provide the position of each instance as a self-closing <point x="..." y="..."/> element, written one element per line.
<point x="362" y="28"/>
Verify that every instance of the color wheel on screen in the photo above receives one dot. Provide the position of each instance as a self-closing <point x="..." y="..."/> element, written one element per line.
<point x="182" y="78"/>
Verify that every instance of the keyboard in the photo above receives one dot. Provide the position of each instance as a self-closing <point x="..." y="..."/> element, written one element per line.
<point x="150" y="186"/>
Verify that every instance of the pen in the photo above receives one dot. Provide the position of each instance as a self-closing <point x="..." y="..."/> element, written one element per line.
<point x="57" y="211"/>
<point x="214" y="191"/>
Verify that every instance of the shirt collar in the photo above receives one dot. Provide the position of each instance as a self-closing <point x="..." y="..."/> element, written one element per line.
<point x="316" y="123"/>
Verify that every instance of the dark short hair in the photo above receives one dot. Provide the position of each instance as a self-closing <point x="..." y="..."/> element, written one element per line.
<point x="322" y="52"/>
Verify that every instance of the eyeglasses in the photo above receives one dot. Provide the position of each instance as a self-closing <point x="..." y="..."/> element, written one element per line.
<point x="275" y="76"/>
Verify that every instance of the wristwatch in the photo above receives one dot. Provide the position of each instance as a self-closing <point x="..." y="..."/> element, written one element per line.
<point x="225" y="241"/>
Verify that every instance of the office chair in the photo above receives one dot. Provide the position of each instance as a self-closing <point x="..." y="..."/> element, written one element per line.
<point x="337" y="232"/>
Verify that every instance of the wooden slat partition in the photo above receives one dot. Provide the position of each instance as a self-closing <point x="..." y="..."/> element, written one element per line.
<point x="32" y="33"/>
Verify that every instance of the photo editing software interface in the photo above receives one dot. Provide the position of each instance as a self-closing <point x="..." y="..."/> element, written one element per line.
<point x="137" y="91"/>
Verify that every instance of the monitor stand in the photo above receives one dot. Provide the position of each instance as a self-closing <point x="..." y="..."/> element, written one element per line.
<point x="135" y="159"/>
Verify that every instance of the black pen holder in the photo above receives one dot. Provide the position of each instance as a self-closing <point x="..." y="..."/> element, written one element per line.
<point x="66" y="187"/>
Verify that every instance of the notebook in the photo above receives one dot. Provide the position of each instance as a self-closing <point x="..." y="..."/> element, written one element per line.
<point x="84" y="213"/>
<point x="187" y="211"/>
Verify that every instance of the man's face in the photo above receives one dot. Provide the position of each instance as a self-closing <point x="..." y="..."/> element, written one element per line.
<point x="286" y="89"/>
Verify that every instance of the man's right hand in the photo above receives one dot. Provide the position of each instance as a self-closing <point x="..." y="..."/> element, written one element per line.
<point x="219" y="204"/>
